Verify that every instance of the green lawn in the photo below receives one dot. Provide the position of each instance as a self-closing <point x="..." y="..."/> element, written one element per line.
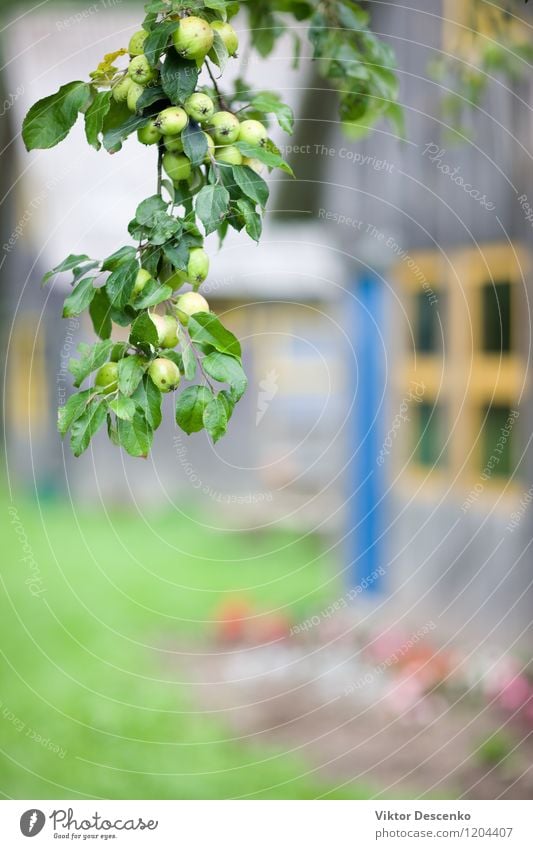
<point x="77" y="667"/>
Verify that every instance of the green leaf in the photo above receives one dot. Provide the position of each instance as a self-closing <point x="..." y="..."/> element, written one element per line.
<point x="130" y="373"/>
<point x="135" y="436"/>
<point x="212" y="206"/>
<point x="50" y="120"/>
<point x="120" y="283"/>
<point x="147" y="209"/>
<point x="144" y="331"/>
<point x="151" y="94"/>
<point x="157" y="41"/>
<point x="123" y="407"/>
<point x="114" y="136"/>
<point x="268" y="156"/>
<point x="270" y="103"/>
<point x="219" y="52"/>
<point x="194" y="143"/>
<point x="72" y="410"/>
<point x="92" y="357"/>
<point x="251" y="184"/>
<point x="226" y="369"/>
<point x="128" y="252"/>
<point x="147" y="397"/>
<point x="94" y="118"/>
<point x="151" y="295"/>
<point x="85" y="427"/>
<point x="80" y="297"/>
<point x="178" y="77"/>
<point x="215" y="418"/>
<point x="252" y="219"/>
<point x="67" y="265"/>
<point x="190" y="408"/>
<point x="206" y="329"/>
<point x="100" y="314"/>
<point x="164" y="227"/>
<point x="189" y="362"/>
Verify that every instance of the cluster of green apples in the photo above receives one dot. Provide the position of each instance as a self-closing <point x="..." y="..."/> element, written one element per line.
<point x="164" y="372"/>
<point x="193" y="39"/>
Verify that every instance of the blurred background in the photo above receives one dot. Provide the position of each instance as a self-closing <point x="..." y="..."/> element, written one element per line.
<point x="335" y="600"/>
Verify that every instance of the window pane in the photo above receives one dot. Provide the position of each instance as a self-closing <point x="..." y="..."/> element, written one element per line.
<point x="427" y="330"/>
<point x="429" y="434"/>
<point x="496" y="317"/>
<point x="496" y="441"/>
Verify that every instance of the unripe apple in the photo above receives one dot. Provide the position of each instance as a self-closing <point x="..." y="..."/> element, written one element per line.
<point x="255" y="164"/>
<point x="199" y="107"/>
<point x="167" y="330"/>
<point x="194" y="38"/>
<point x="253" y="132"/>
<point x="189" y="304"/>
<point x="165" y="374"/>
<point x="106" y="380"/>
<point x="143" y="276"/>
<point x="177" y="166"/>
<point x="134" y="92"/>
<point x="140" y="71"/>
<point x="149" y="134"/>
<point x="228" y="36"/>
<point x="225" y="127"/>
<point x="136" y="45"/>
<point x="121" y="89"/>
<point x="174" y="144"/>
<point x="171" y="121"/>
<point x="197" y="266"/>
<point x="229" y="155"/>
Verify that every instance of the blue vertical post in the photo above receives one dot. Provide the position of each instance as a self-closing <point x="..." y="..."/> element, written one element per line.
<point x="366" y="477"/>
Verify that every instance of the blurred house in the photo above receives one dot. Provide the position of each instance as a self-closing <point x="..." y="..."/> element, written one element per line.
<point x="385" y="320"/>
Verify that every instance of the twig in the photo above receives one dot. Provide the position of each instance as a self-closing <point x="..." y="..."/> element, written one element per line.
<point x="221" y="102"/>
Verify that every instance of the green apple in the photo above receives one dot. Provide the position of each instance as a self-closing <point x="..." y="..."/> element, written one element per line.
<point x="143" y="276"/>
<point x="134" y="92"/>
<point x="194" y="38"/>
<point x="189" y="304"/>
<point x="140" y="71"/>
<point x="254" y="164"/>
<point x="149" y="134"/>
<point x="197" y="266"/>
<point x="177" y="166"/>
<point x="229" y="155"/>
<point x="136" y="45"/>
<point x="167" y="330"/>
<point x="199" y="107"/>
<point x="106" y="380"/>
<point x="174" y="144"/>
<point x="225" y="128"/>
<point x="165" y="374"/>
<point x="121" y="89"/>
<point x="253" y="132"/>
<point x="171" y="121"/>
<point x="228" y="36"/>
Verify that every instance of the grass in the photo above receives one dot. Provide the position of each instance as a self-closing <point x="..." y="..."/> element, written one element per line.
<point x="80" y="666"/>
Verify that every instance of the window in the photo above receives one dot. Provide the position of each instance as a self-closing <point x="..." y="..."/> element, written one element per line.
<point x="496" y="441"/>
<point x="467" y="357"/>
<point x="429" y="434"/>
<point x="496" y="317"/>
<point x="427" y="330"/>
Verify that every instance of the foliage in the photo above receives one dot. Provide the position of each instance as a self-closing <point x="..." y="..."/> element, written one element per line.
<point x="213" y="182"/>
